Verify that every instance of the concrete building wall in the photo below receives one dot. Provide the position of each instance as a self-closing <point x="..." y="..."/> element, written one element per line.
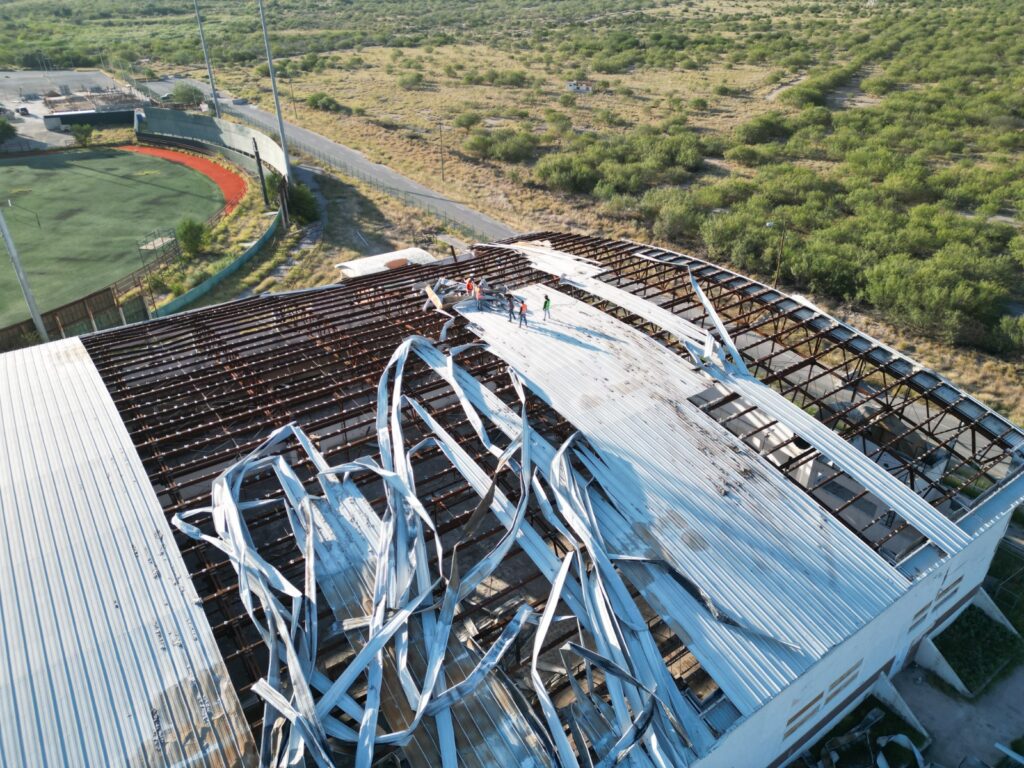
<point x="842" y="678"/>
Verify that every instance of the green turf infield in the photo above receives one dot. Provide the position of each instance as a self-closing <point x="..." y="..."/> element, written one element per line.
<point x="94" y="206"/>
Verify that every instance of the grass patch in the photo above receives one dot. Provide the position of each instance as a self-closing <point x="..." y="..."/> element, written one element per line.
<point x="94" y="206"/>
<point x="1005" y="584"/>
<point x="978" y="648"/>
<point x="859" y="752"/>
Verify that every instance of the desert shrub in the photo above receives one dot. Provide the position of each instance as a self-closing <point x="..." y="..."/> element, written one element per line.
<point x="567" y="173"/>
<point x="191" y="235"/>
<point x="942" y="293"/>
<point x="326" y="103"/>
<point x="468" y="119"/>
<point x="410" y="81"/>
<point x="751" y="156"/>
<point x="508" y="144"/>
<point x="302" y="203"/>
<point x="510" y="78"/>
<point x="771" y="126"/>
<point x="623" y="163"/>
<point x="559" y="122"/>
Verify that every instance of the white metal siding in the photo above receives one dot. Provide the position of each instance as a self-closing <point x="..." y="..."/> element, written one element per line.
<point x="106" y="657"/>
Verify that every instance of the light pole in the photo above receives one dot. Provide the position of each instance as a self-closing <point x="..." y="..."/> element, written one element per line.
<point x="206" y="57"/>
<point x="440" y="141"/>
<point x="33" y="310"/>
<point x="778" y="258"/>
<point x="277" y="100"/>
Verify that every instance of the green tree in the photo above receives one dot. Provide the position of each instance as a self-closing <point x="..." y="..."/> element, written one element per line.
<point x="187" y="94"/>
<point x="82" y="133"/>
<point x="191" y="235"/>
<point x="6" y="130"/>
<point x="468" y="120"/>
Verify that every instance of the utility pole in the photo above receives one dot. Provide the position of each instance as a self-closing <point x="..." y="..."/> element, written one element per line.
<point x="782" y="243"/>
<point x="291" y="88"/>
<point x="440" y="141"/>
<point x="26" y="291"/>
<point x="277" y="100"/>
<point x="206" y="56"/>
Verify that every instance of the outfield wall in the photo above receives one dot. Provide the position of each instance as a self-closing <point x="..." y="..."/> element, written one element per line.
<point x="235" y="142"/>
<point x="232" y="139"/>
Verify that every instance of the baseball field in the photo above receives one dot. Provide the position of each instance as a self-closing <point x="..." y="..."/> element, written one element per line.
<point x="78" y="217"/>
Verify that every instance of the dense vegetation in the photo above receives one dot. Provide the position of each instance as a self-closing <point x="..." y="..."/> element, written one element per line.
<point x="910" y="204"/>
<point x="908" y="200"/>
<point x="978" y="648"/>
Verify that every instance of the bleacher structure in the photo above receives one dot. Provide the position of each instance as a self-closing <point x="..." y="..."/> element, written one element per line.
<point x="687" y="520"/>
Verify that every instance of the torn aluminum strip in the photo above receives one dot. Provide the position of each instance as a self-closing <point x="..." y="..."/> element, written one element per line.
<point x="298" y="710"/>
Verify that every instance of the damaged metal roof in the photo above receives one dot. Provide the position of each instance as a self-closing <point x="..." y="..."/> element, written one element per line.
<point x="793" y="579"/>
<point x="720" y="484"/>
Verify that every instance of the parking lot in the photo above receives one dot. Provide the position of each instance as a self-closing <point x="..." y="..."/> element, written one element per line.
<point x="26" y="90"/>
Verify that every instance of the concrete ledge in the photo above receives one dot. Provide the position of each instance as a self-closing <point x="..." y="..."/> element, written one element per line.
<point x="987" y="605"/>
<point x="886" y="692"/>
<point x="929" y="657"/>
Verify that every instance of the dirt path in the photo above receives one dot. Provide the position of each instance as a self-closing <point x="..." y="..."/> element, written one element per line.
<point x="780" y="89"/>
<point x="963" y="729"/>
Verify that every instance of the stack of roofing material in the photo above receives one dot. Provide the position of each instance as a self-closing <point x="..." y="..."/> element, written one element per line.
<point x="349" y="547"/>
<point x="107" y="657"/>
<point x="925" y="518"/>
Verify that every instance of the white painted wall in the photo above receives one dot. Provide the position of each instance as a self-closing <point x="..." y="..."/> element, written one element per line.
<point x="759" y="739"/>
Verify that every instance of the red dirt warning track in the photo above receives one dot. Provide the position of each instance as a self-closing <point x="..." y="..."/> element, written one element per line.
<point x="231" y="184"/>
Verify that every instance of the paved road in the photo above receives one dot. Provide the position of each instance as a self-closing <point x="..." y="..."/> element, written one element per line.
<point x="357" y="164"/>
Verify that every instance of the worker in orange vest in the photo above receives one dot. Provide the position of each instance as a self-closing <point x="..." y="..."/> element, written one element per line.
<point x="522" y="315"/>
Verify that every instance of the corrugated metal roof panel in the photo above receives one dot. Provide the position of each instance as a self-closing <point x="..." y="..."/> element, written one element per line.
<point x="106" y="657"/>
<point x="687" y="491"/>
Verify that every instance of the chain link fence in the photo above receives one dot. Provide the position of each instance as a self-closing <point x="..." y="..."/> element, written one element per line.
<point x="95" y="312"/>
<point x="424" y="201"/>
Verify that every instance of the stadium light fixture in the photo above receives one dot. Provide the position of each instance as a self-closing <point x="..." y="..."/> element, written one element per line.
<point x="273" y="88"/>
<point x="33" y="309"/>
<point x="206" y="57"/>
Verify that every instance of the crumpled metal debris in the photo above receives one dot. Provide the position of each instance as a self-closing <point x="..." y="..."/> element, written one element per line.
<point x="644" y="718"/>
